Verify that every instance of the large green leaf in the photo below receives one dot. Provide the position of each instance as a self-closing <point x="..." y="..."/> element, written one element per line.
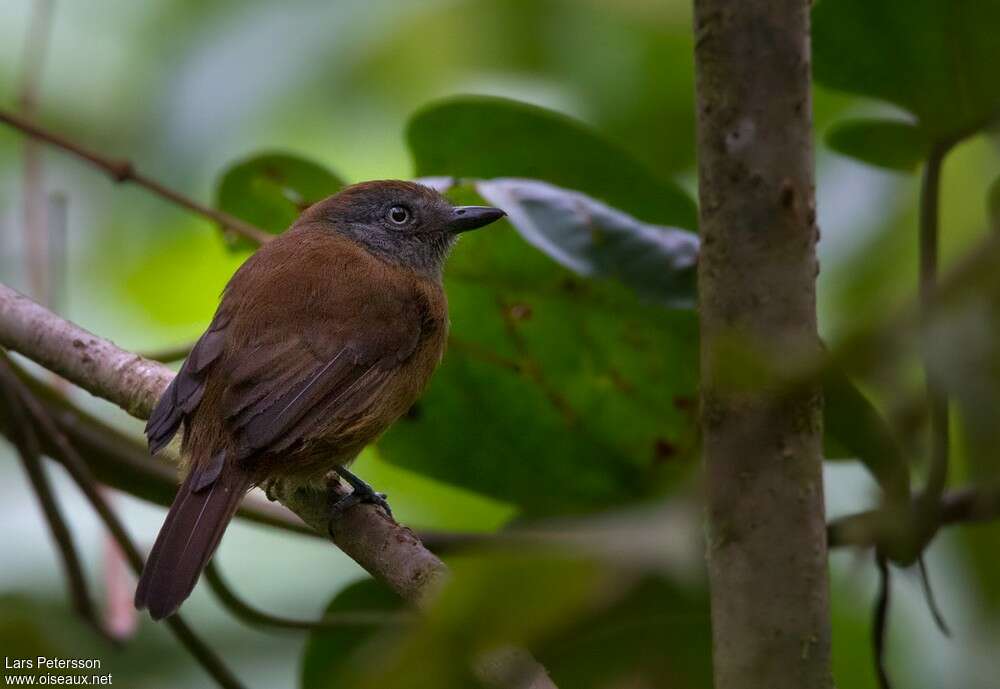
<point x="890" y="144"/>
<point x="561" y="393"/>
<point x="935" y="58"/>
<point x="270" y="190"/>
<point x="483" y="137"/>
<point x="557" y="393"/>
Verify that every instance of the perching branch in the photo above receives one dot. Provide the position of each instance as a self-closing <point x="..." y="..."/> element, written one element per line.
<point x="125" y="171"/>
<point x="388" y="551"/>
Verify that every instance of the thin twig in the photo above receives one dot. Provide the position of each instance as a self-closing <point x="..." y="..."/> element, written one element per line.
<point x="36" y="227"/>
<point x="125" y="171"/>
<point x="36" y="47"/>
<point x="937" y="398"/>
<point x="81" y="475"/>
<point x="881" y="620"/>
<point x="256" y="617"/>
<point x="29" y="451"/>
<point x="925" y="581"/>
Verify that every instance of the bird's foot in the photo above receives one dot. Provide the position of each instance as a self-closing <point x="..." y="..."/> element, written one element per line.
<point x="361" y="493"/>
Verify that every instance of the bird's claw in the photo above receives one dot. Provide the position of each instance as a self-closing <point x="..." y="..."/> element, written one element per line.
<point x="361" y="493"/>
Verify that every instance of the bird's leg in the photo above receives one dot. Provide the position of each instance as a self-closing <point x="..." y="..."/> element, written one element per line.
<point x="361" y="493"/>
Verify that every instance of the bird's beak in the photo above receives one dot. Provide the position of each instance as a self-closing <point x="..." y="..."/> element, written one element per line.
<point x="464" y="218"/>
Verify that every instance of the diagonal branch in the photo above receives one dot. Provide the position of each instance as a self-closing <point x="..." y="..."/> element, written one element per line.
<point x="388" y="551"/>
<point x="125" y="171"/>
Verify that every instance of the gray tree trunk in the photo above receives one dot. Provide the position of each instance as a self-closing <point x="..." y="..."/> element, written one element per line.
<point x="762" y="441"/>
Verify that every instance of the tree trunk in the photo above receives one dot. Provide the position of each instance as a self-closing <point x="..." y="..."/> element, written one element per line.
<point x="767" y="553"/>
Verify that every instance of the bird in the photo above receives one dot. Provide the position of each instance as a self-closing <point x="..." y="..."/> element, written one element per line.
<point x="322" y="339"/>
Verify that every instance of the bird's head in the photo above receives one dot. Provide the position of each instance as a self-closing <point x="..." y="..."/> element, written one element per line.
<point x="402" y="222"/>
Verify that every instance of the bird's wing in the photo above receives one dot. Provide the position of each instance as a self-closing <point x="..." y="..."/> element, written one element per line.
<point x="283" y="388"/>
<point x="185" y="391"/>
<point x="293" y="349"/>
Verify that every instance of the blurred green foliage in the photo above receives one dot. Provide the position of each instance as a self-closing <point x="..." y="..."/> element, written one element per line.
<point x="560" y="393"/>
<point x="492" y="602"/>
<point x="935" y="58"/>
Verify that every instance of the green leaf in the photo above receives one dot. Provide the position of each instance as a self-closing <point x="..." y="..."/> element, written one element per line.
<point x="557" y="393"/>
<point x="270" y="190"/>
<point x="330" y="658"/>
<point x="935" y="58"/>
<point x="890" y="144"/>
<point x="482" y="137"/>
<point x="599" y="385"/>
<point x="595" y="240"/>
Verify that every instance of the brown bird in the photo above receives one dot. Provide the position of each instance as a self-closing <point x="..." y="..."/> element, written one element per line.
<point x="322" y="339"/>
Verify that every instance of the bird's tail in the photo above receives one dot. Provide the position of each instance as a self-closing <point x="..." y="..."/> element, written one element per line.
<point x="204" y="505"/>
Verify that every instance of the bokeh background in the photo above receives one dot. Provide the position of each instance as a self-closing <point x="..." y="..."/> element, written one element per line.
<point x="186" y="88"/>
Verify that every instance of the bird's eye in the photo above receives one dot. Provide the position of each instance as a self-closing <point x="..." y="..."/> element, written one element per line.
<point x="399" y="214"/>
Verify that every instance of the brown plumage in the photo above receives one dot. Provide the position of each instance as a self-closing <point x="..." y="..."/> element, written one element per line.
<point x="322" y="339"/>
